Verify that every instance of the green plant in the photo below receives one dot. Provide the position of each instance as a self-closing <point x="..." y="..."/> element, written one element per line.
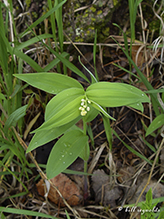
<point x="12" y="111"/>
<point x="133" y="5"/>
<point x="13" y="161"/>
<point x="71" y="104"/>
<point x="148" y="208"/>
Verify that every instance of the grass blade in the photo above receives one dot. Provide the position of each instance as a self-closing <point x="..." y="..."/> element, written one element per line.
<point x="25" y="212"/>
<point x="132" y="150"/>
<point x="33" y="40"/>
<point x="42" y="18"/>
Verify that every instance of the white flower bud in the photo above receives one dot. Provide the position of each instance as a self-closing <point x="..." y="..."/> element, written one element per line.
<point x="83" y="113"/>
<point x="84" y="108"/>
<point x="88" y="108"/>
<point x="89" y="101"/>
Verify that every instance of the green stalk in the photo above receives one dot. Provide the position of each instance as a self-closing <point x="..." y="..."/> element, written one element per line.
<point x="59" y="24"/>
<point x="85" y="163"/>
<point x="108" y="131"/>
<point x="85" y="132"/>
<point x="53" y="25"/>
<point x="94" y="56"/>
<point x="132" y="12"/>
<point x="133" y="4"/>
<point x="59" y="21"/>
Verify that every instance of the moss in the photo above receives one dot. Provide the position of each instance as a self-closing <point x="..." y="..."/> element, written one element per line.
<point x="115" y="2"/>
<point x="92" y="8"/>
<point x="154" y="25"/>
<point x="106" y="31"/>
<point x="97" y="16"/>
<point x="85" y="15"/>
<point x="99" y="12"/>
<point x="28" y="2"/>
<point x="77" y="5"/>
<point x="34" y="14"/>
<point x="88" y="32"/>
<point x="93" y="19"/>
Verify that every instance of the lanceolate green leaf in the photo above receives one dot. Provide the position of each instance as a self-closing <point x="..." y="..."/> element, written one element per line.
<point x="65" y="151"/>
<point x="157" y="123"/>
<point x="50" y="82"/>
<point x="115" y="94"/>
<point x="64" y="101"/>
<point x="62" y="117"/>
<point x="83" y="153"/>
<point x="43" y="137"/>
<point x="137" y="105"/>
<point x="91" y="115"/>
<point x="63" y="108"/>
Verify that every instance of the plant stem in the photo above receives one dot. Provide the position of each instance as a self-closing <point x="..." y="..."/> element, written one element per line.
<point x="85" y="163"/>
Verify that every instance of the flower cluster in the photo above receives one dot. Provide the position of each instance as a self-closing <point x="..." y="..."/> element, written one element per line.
<point x="84" y="107"/>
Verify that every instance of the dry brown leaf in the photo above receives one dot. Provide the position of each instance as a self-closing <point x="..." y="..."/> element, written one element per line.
<point x="132" y="190"/>
<point x="68" y="189"/>
<point x="103" y="191"/>
<point x="157" y="189"/>
<point x="141" y="56"/>
<point x="138" y="55"/>
<point x="125" y="174"/>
